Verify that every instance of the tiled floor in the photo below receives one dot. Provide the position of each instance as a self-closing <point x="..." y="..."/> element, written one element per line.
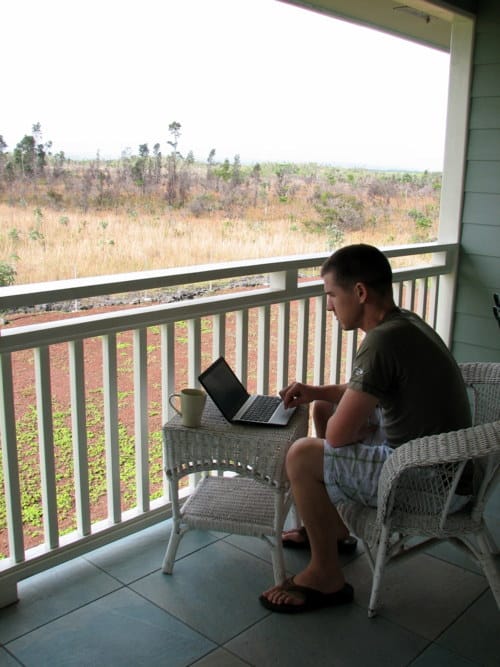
<point x="115" y="607"/>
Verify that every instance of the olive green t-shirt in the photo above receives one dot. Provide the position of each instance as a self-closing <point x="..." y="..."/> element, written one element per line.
<point x="408" y="368"/>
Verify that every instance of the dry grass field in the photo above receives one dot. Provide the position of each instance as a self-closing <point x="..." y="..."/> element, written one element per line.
<point x="52" y="238"/>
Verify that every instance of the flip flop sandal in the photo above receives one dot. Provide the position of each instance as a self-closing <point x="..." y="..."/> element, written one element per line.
<point x="346" y="546"/>
<point x="310" y="598"/>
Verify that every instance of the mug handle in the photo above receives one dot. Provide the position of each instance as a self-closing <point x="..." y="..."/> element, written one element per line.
<point x="170" y="398"/>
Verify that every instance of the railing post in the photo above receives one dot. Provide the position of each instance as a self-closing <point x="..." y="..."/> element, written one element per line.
<point x="8" y="590"/>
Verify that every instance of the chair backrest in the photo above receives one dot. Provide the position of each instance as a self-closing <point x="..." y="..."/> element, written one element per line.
<point x="483" y="383"/>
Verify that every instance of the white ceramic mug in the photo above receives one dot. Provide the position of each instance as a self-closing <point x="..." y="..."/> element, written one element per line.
<point x="192" y="403"/>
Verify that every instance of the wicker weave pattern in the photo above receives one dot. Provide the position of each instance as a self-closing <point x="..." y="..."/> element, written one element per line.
<point x="240" y="505"/>
<point x="418" y="481"/>
<point x="483" y="381"/>
<point x="257" y="452"/>
<point x="254" y="502"/>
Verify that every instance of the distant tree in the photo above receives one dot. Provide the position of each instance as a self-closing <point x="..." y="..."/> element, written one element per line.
<point x="282" y="182"/>
<point x="172" y="162"/>
<point x="30" y="154"/>
<point x="256" y="178"/>
<point x="236" y="175"/>
<point x="140" y="166"/>
<point x="223" y="171"/>
<point x="24" y="155"/>
<point x="210" y="167"/>
<point x="157" y="163"/>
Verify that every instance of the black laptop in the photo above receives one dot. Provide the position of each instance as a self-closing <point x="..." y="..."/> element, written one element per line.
<point x="234" y="401"/>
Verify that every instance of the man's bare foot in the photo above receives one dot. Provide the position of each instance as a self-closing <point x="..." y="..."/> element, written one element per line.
<point x="295" y="595"/>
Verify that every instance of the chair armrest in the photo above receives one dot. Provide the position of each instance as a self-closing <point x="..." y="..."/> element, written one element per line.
<point x="434" y="450"/>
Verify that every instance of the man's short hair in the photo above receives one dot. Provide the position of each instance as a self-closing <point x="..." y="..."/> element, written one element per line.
<point x="360" y="263"/>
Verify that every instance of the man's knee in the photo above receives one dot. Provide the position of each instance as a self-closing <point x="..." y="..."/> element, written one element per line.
<point x="305" y="454"/>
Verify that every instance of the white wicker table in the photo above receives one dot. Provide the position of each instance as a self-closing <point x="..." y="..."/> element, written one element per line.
<point x="254" y="502"/>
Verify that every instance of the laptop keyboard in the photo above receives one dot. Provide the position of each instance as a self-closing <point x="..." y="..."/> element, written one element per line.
<point x="262" y="408"/>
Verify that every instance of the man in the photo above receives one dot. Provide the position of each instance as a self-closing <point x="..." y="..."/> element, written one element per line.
<point x="402" y="366"/>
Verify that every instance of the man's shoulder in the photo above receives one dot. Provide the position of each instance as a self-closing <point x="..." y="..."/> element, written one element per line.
<point x="399" y="321"/>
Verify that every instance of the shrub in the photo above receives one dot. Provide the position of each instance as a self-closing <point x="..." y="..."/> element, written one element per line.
<point x="7" y="274"/>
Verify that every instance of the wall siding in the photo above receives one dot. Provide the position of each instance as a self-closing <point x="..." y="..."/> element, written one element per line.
<point x="476" y="336"/>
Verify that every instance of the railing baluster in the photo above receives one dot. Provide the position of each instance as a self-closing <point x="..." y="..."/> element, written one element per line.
<point x="110" y="383"/>
<point x="10" y="460"/>
<point x="218" y="335"/>
<point x="263" y="349"/>
<point x="141" y="419"/>
<point x="283" y="344"/>
<point x="79" y="433"/>
<point x="422" y="295"/>
<point x="433" y="301"/>
<point x="302" y="340"/>
<point x="397" y="292"/>
<point x="242" y="345"/>
<point x="336" y="352"/>
<point x="167" y="338"/>
<point x="411" y="302"/>
<point x="194" y="351"/>
<point x="319" y="339"/>
<point x="46" y="439"/>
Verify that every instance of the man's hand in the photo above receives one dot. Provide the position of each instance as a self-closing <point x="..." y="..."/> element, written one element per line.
<point x="297" y="393"/>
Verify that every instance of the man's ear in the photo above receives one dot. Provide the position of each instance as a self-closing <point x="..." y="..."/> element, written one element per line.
<point x="361" y="292"/>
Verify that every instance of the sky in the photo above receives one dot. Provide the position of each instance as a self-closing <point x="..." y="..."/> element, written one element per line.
<point x="255" y="78"/>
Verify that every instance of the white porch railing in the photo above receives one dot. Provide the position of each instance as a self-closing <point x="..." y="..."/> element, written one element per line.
<point x="271" y="334"/>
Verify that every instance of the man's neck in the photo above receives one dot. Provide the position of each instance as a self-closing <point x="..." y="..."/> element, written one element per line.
<point x="376" y="312"/>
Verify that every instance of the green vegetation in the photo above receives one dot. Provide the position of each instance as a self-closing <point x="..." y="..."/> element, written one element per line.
<point x="29" y="468"/>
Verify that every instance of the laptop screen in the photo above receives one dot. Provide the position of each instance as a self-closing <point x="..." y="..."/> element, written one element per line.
<point x="224" y="388"/>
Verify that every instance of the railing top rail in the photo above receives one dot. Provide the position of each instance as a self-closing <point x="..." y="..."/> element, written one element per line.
<point x="16" y="296"/>
<point x="89" y="326"/>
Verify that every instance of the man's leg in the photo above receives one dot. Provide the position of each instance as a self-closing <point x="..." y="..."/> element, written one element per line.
<point x="324" y="527"/>
<point x="321" y="413"/>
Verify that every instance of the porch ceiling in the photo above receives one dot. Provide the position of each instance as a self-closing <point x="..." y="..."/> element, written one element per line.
<point x="422" y="21"/>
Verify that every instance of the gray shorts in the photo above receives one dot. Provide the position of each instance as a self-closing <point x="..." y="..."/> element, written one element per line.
<point x="352" y="472"/>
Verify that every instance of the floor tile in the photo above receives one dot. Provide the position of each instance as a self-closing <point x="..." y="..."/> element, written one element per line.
<point x="476" y="634"/>
<point x="438" y="656"/>
<point x="220" y="658"/>
<point x="341" y="637"/>
<point x="7" y="660"/>
<point x="295" y="559"/>
<point x="453" y="554"/>
<point x="50" y="594"/>
<point x="215" y="591"/>
<point x="119" y="629"/>
<point x="421" y="593"/>
<point x="140" y="554"/>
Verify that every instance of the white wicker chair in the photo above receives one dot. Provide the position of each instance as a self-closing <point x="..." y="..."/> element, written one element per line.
<point x="419" y="480"/>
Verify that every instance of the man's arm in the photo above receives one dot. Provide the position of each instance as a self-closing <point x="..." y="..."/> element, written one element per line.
<point x="349" y="422"/>
<point x="298" y="393"/>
